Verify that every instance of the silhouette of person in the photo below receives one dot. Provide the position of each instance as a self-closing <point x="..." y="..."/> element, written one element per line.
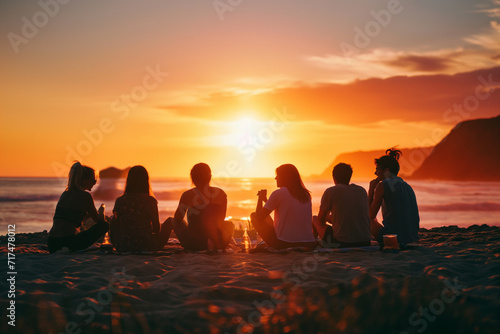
<point x="397" y="199"/>
<point x="135" y="225"/>
<point x="291" y="203"/>
<point x="346" y="205"/>
<point x="74" y="206"/>
<point x="205" y="208"/>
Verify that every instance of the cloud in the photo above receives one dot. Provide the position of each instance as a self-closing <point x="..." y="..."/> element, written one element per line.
<point x="420" y="63"/>
<point x="478" y="51"/>
<point x="488" y="40"/>
<point x="385" y="63"/>
<point x="423" y="98"/>
<point x="492" y="10"/>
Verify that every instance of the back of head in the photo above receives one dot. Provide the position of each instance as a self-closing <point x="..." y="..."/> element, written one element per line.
<point x="342" y="173"/>
<point x="138" y="181"/>
<point x="290" y="178"/>
<point x="390" y="160"/>
<point x="78" y="174"/>
<point x="201" y="174"/>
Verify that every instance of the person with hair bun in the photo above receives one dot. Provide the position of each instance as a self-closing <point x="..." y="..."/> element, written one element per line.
<point x="205" y="208"/>
<point x="397" y="199"/>
<point x="74" y="206"/>
<point x="292" y="224"/>
<point x="135" y="225"/>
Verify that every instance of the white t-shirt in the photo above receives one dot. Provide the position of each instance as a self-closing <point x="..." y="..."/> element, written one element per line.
<point x="292" y="219"/>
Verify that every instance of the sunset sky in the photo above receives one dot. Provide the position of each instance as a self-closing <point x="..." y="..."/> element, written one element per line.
<point x="241" y="85"/>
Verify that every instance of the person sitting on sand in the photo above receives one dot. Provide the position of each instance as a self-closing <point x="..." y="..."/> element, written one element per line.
<point x="347" y="207"/>
<point x="205" y="207"/>
<point x="74" y="206"/>
<point x="135" y="225"/>
<point x="292" y="224"/>
<point x="398" y="201"/>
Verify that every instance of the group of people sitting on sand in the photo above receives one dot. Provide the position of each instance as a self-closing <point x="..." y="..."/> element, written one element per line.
<point x="346" y="218"/>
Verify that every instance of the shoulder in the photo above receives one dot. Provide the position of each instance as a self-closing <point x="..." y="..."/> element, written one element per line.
<point x="357" y="188"/>
<point x="218" y="192"/>
<point x="148" y="197"/>
<point x="329" y="192"/>
<point x="279" y="193"/>
<point x="188" y="195"/>
<point x="282" y="191"/>
<point x="86" y="195"/>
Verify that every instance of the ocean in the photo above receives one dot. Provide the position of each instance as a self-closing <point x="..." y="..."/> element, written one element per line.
<point x="29" y="203"/>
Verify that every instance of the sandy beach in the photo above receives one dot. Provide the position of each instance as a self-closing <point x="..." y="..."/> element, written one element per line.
<point x="448" y="283"/>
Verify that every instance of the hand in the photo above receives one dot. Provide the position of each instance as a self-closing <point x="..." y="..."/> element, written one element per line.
<point x="375" y="182"/>
<point x="262" y="194"/>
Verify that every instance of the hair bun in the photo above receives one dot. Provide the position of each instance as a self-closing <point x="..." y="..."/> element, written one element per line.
<point x="393" y="153"/>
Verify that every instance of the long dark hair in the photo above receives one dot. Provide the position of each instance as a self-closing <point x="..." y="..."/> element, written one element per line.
<point x="390" y="160"/>
<point x="138" y="181"/>
<point x="290" y="178"/>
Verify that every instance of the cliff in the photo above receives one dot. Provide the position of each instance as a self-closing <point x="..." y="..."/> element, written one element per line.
<point x="363" y="163"/>
<point x="470" y="152"/>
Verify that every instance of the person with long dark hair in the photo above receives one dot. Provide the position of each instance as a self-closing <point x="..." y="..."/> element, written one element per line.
<point x="74" y="206"/>
<point x="205" y="208"/>
<point x="136" y="225"/>
<point x="397" y="199"/>
<point x="291" y="203"/>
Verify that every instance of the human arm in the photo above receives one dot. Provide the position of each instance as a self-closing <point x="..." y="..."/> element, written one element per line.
<point x="180" y="212"/>
<point x="260" y="211"/>
<point x="155" y="219"/>
<point x="376" y="201"/>
<point x="96" y="215"/>
<point x="325" y="207"/>
<point x="371" y="190"/>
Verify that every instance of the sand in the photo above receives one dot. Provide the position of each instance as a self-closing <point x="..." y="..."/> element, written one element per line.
<point x="449" y="283"/>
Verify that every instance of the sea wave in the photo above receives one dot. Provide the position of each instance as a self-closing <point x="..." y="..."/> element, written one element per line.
<point x="28" y="198"/>
<point x="480" y="206"/>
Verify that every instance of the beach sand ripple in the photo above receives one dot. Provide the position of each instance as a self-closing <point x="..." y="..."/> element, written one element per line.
<point x="450" y="282"/>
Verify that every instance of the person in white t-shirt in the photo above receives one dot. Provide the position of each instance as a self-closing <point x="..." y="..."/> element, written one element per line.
<point x="292" y="224"/>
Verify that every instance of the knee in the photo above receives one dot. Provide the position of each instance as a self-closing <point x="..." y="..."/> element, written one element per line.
<point x="167" y="222"/>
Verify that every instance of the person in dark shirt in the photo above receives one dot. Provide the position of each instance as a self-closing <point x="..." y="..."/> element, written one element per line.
<point x="74" y="206"/>
<point x="346" y="205"/>
<point x="205" y="208"/>
<point x="135" y="225"/>
<point x="397" y="199"/>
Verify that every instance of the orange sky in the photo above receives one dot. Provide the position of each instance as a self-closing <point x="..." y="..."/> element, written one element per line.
<point x="170" y="84"/>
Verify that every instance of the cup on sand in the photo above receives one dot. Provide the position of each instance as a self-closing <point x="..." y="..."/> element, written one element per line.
<point x="391" y="241"/>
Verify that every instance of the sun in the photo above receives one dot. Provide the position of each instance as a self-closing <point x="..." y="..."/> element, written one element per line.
<point x="246" y="126"/>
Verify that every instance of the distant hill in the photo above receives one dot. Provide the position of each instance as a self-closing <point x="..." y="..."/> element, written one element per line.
<point x="470" y="152"/>
<point x="363" y="162"/>
<point x="113" y="173"/>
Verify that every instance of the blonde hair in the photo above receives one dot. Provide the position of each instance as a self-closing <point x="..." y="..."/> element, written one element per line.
<point x="77" y="174"/>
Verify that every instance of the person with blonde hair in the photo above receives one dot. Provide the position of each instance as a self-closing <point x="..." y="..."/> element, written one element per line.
<point x="205" y="208"/>
<point x="74" y="206"/>
<point x="291" y="203"/>
<point x="135" y="225"/>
